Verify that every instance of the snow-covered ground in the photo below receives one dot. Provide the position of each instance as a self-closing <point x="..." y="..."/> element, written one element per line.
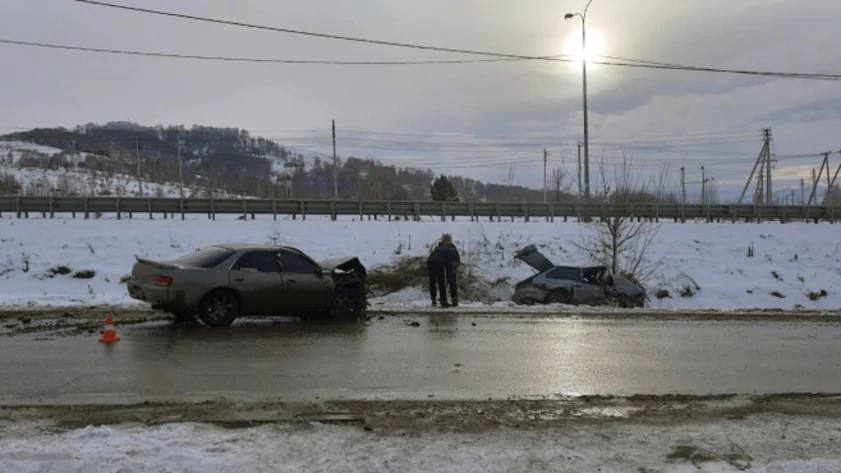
<point x="772" y="444"/>
<point x="790" y="261"/>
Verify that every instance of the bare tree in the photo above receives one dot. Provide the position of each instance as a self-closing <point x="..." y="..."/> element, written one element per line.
<point x="560" y="182"/>
<point x="620" y="243"/>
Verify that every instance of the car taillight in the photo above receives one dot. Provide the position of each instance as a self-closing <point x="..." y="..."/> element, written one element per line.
<point x="164" y="281"/>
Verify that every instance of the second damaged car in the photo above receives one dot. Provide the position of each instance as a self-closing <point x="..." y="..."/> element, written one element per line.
<point x="221" y="283"/>
<point x="592" y="285"/>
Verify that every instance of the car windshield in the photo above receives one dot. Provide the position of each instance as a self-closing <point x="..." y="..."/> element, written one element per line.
<point x="205" y="258"/>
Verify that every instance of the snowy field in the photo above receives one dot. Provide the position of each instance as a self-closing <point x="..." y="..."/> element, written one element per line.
<point x="761" y="445"/>
<point x="708" y="263"/>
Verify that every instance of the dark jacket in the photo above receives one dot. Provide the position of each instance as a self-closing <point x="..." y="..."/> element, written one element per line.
<point x="440" y="254"/>
<point x="453" y="258"/>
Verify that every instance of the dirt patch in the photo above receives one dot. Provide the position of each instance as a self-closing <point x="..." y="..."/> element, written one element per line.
<point x="816" y="295"/>
<point x="411" y="272"/>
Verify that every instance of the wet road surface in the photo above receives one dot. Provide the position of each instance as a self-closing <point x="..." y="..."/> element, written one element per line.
<point x="445" y="357"/>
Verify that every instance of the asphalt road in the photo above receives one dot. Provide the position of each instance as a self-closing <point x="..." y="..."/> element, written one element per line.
<point x="446" y="357"/>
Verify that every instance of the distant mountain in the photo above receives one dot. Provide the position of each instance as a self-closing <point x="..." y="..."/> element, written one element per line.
<point x="226" y="161"/>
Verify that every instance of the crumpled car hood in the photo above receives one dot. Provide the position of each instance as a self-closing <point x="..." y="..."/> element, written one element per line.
<point x="347" y="264"/>
<point x="534" y="258"/>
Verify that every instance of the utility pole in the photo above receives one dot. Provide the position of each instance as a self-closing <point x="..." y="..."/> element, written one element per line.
<point x="335" y="166"/>
<point x="545" y="189"/>
<point x="137" y="155"/>
<point x="682" y="194"/>
<point x="763" y="164"/>
<point x="769" y="194"/>
<point x="580" y="187"/>
<point x="180" y="172"/>
<point x="816" y="179"/>
<point x="803" y="191"/>
<point x="583" y="17"/>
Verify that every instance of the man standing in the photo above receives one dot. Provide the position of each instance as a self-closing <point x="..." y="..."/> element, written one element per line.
<point x="436" y="266"/>
<point x="451" y="264"/>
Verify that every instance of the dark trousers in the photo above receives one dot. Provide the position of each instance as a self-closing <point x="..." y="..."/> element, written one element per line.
<point x="437" y="281"/>
<point x="452" y="282"/>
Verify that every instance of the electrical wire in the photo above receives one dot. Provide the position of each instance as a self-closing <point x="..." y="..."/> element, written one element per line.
<point x="622" y="62"/>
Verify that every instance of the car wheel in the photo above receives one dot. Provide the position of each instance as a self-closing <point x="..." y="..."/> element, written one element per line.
<point x="219" y="308"/>
<point x="558" y="297"/>
<point x="527" y="301"/>
<point x="349" y="303"/>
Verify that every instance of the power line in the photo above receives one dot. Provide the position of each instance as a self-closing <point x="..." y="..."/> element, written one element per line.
<point x="623" y="62"/>
<point x="310" y="33"/>
<point x="125" y="52"/>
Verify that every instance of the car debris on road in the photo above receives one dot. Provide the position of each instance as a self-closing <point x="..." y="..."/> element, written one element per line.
<point x="592" y="285"/>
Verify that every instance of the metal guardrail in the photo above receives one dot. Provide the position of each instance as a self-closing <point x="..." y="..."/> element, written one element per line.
<point x="22" y="206"/>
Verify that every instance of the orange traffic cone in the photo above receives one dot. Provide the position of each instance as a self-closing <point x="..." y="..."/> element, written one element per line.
<point x="110" y="334"/>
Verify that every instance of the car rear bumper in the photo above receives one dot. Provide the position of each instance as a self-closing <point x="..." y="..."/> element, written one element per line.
<point x="166" y="298"/>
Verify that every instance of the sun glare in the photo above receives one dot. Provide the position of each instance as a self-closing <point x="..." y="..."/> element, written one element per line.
<point x="595" y="46"/>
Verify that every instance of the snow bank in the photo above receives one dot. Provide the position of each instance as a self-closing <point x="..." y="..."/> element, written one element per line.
<point x="320" y="448"/>
<point x="789" y="261"/>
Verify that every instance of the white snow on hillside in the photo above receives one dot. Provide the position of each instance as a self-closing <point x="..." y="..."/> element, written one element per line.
<point x="77" y="180"/>
<point x="19" y="147"/>
<point x="790" y="261"/>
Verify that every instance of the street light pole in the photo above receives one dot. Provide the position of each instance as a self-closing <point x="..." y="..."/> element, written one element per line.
<point x="583" y="17"/>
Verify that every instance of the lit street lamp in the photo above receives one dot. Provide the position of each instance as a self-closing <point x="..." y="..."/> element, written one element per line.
<point x="583" y="17"/>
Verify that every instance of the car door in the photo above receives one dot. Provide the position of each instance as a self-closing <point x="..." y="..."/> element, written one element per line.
<point x="306" y="288"/>
<point x="586" y="293"/>
<point x="256" y="276"/>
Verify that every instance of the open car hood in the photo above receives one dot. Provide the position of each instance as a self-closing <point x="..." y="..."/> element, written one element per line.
<point x="534" y="258"/>
<point x="348" y="264"/>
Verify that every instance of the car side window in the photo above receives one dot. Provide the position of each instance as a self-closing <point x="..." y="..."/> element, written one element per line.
<point x="571" y="274"/>
<point x="260" y="261"/>
<point x="295" y="263"/>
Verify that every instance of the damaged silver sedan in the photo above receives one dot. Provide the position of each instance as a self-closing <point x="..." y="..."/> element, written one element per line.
<point x="592" y="285"/>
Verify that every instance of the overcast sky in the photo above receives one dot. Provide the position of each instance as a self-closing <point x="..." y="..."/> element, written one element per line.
<point x="450" y="116"/>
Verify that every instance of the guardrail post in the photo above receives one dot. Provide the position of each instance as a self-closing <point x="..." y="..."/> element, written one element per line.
<point x="416" y="207"/>
<point x="85" y="207"/>
<point x="333" y="210"/>
<point x="359" y="208"/>
<point x="525" y="211"/>
<point x="274" y="210"/>
<point x="443" y="211"/>
<point x="50" y="204"/>
<point x="149" y="208"/>
<point x="388" y="210"/>
<point x="244" y="211"/>
<point x="498" y="213"/>
<point x="17" y="205"/>
<point x="117" y="205"/>
<point x="472" y="212"/>
<point x="212" y="209"/>
<point x="303" y="210"/>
